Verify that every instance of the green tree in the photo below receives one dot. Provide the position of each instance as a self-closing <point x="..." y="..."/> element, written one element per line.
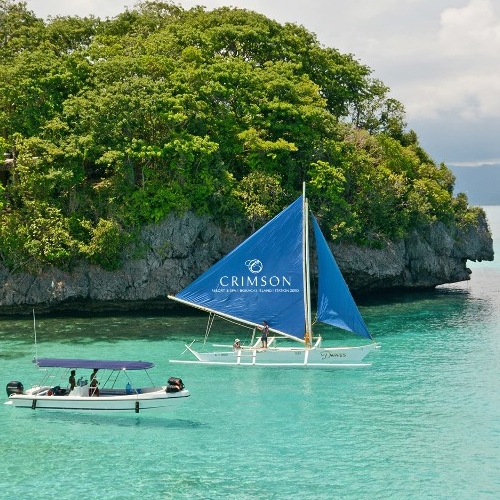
<point x="121" y="122"/>
<point x="261" y="196"/>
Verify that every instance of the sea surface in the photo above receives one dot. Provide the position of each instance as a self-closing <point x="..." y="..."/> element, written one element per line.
<point x="422" y="423"/>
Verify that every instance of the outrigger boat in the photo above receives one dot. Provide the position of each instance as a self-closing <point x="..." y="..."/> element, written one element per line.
<point x="115" y="391"/>
<point x="267" y="278"/>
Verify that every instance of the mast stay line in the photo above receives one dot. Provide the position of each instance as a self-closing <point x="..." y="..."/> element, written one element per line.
<point x="234" y="318"/>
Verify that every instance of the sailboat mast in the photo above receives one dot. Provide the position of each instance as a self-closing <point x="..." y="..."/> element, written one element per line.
<point x="307" y="286"/>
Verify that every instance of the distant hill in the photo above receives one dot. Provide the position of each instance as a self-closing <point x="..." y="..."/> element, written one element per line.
<point x="480" y="184"/>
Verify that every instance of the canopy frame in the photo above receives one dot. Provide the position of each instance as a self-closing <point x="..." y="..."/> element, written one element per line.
<point x="92" y="363"/>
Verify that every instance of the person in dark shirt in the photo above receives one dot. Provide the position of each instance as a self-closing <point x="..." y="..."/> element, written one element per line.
<point x="265" y="333"/>
<point x="72" y="381"/>
<point x="94" y="390"/>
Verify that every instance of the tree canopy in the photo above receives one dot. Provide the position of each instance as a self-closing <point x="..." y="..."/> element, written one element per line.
<point x="113" y="124"/>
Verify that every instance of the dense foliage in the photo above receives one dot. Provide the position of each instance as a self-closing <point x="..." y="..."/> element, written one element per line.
<point x="113" y="124"/>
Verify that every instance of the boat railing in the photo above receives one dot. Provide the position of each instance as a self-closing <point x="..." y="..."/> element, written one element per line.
<point x="318" y="342"/>
<point x="188" y="347"/>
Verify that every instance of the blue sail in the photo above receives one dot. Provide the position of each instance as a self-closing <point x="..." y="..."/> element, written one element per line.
<point x="261" y="279"/>
<point x="335" y="303"/>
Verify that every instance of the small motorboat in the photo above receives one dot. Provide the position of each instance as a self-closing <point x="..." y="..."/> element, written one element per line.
<point x="110" y="388"/>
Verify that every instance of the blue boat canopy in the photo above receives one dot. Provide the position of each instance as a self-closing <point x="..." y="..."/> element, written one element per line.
<point x="92" y="363"/>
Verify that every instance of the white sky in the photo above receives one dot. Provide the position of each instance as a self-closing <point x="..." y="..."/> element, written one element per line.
<point x="440" y="58"/>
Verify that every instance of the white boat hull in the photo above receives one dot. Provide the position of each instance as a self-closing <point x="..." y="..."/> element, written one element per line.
<point x="319" y="357"/>
<point x="158" y="400"/>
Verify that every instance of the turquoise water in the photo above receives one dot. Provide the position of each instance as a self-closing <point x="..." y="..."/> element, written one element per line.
<point x="422" y="423"/>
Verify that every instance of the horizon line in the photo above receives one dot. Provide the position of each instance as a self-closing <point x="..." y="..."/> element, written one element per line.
<point x="474" y="163"/>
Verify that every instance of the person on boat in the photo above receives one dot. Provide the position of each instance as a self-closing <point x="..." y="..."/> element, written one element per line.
<point x="72" y="381"/>
<point x="94" y="390"/>
<point x="265" y="333"/>
<point x="236" y="345"/>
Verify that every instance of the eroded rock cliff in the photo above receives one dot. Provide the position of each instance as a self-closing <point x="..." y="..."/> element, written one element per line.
<point x="178" y="250"/>
<point x="424" y="259"/>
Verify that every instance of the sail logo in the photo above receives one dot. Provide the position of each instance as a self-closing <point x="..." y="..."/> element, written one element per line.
<point x="254" y="266"/>
<point x="254" y="281"/>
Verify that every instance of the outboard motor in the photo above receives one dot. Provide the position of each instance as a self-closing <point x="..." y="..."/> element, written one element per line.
<point x="14" y="387"/>
<point x="174" y="385"/>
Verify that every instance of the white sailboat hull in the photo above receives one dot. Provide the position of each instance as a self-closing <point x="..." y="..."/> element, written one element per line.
<point x="157" y="400"/>
<point x="319" y="357"/>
